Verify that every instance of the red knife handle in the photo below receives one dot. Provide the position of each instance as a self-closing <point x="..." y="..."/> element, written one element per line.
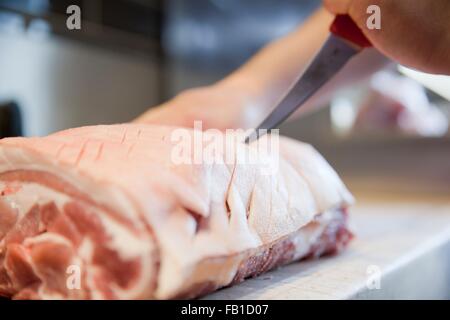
<point x="344" y="27"/>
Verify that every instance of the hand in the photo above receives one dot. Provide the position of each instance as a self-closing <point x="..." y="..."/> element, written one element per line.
<point x="218" y="106"/>
<point x="415" y="33"/>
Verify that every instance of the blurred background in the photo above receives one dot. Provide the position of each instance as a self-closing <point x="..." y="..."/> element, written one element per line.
<point x="389" y="134"/>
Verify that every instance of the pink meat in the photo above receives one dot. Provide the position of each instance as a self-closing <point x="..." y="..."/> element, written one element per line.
<point x="103" y="212"/>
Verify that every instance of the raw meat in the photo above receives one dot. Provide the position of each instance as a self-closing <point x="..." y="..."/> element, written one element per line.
<point x="103" y="212"/>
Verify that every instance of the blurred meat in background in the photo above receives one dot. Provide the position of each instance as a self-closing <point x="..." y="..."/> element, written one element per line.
<point x="390" y="104"/>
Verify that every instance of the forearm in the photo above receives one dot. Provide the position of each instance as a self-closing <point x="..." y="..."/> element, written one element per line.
<point x="246" y="96"/>
<point x="274" y="68"/>
<point x="268" y="75"/>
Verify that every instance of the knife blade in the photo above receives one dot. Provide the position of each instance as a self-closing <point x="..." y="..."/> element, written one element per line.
<point x="345" y="41"/>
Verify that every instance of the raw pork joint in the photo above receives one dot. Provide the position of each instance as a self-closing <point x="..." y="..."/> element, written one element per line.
<point x="103" y="212"/>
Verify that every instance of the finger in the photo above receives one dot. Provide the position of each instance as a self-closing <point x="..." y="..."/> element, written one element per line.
<point x="356" y="9"/>
<point x="338" y="6"/>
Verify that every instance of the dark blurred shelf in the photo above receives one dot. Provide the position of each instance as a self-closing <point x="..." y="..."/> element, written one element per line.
<point x="116" y="24"/>
<point x="10" y="120"/>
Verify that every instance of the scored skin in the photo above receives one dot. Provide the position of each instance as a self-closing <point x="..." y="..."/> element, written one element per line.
<point x="194" y="211"/>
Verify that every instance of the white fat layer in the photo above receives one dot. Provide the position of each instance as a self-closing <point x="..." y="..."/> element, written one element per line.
<point x="128" y="245"/>
<point x="86" y="250"/>
<point x="47" y="237"/>
<point x="31" y="194"/>
<point x="18" y="159"/>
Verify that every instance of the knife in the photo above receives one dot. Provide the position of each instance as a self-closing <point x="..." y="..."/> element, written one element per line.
<point x="344" y="42"/>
